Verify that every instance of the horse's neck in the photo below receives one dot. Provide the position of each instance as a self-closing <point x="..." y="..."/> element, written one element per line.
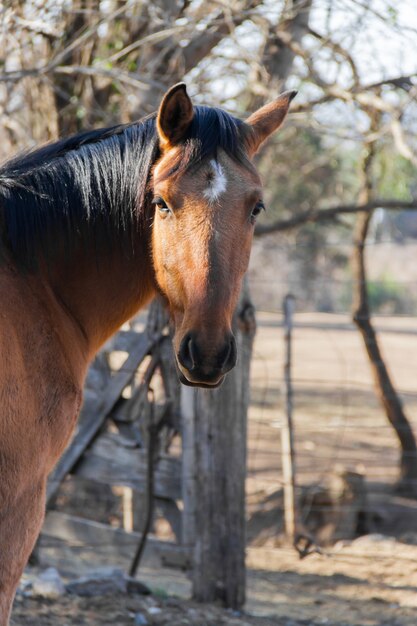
<point x="101" y="294"/>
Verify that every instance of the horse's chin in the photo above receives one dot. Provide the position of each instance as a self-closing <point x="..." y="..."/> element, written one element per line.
<point x="203" y="384"/>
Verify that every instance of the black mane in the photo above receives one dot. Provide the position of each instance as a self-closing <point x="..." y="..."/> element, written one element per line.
<point x="95" y="183"/>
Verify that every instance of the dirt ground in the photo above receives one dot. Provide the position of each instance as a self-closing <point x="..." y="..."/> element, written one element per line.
<point x="368" y="581"/>
<point x="121" y="610"/>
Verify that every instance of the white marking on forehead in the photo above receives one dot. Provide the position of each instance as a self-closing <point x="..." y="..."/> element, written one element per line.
<point x="217" y="184"/>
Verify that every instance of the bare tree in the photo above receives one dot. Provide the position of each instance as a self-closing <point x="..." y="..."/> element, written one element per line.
<point x="384" y="386"/>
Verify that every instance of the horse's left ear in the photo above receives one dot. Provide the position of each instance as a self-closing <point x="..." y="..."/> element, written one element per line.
<point x="174" y="116"/>
<point x="267" y="120"/>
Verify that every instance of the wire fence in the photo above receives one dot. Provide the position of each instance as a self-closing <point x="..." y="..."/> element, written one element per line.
<point x="340" y="426"/>
<point x="318" y="274"/>
<point x="339" y="422"/>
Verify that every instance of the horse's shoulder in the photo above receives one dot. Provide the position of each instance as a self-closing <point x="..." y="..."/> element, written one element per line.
<point x="35" y="361"/>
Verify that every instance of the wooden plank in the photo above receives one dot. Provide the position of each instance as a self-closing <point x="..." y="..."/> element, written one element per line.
<point x="118" y="447"/>
<point x="126" y="452"/>
<point x="110" y="471"/>
<point x="92" y="422"/>
<point x="82" y="532"/>
<point x="122" y="341"/>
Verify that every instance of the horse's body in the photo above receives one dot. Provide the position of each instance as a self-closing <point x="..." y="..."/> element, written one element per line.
<point x="83" y="248"/>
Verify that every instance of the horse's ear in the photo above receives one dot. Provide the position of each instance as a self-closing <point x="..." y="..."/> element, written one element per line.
<point x="174" y="116"/>
<point x="267" y="120"/>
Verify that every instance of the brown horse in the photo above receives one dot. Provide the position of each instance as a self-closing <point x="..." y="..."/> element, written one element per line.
<point x="90" y="228"/>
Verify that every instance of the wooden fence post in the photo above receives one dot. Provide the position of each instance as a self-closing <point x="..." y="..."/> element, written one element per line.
<point x="287" y="435"/>
<point x="220" y="472"/>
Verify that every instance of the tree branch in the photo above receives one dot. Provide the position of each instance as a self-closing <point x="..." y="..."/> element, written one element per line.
<point x="313" y="215"/>
<point x="135" y="80"/>
<point x="337" y="49"/>
<point x="202" y="43"/>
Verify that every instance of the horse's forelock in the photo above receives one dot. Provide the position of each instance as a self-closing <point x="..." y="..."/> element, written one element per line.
<point x="211" y="130"/>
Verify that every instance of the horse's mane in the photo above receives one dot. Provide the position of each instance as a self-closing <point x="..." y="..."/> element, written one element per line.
<point x="94" y="186"/>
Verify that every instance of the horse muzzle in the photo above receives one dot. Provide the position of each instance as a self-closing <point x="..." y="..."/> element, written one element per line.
<point x="204" y="365"/>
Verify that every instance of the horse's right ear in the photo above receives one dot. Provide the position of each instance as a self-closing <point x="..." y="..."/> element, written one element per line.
<point x="267" y="120"/>
<point x="174" y="116"/>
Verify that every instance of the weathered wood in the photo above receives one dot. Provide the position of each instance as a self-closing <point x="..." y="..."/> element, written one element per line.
<point x="82" y="532"/>
<point x="122" y="341"/>
<point x="220" y="467"/>
<point x="124" y="452"/>
<point x="287" y="436"/>
<point x="111" y="472"/>
<point x="91" y="423"/>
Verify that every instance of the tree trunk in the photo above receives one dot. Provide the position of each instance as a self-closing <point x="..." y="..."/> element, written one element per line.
<point x="73" y="95"/>
<point x="278" y="56"/>
<point x="220" y="471"/>
<point x="361" y="316"/>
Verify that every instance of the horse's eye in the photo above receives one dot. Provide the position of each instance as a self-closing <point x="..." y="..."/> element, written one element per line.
<point x="161" y="204"/>
<point x="259" y="206"/>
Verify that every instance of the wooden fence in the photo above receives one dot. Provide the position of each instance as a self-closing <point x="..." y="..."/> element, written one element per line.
<point x="110" y="448"/>
<point x="134" y="411"/>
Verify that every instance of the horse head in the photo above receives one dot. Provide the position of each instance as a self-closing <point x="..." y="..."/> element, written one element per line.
<point x="207" y="195"/>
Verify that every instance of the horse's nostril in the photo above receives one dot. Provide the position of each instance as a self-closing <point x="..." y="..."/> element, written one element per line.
<point x="226" y="359"/>
<point x="187" y="353"/>
<point x="192" y="350"/>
